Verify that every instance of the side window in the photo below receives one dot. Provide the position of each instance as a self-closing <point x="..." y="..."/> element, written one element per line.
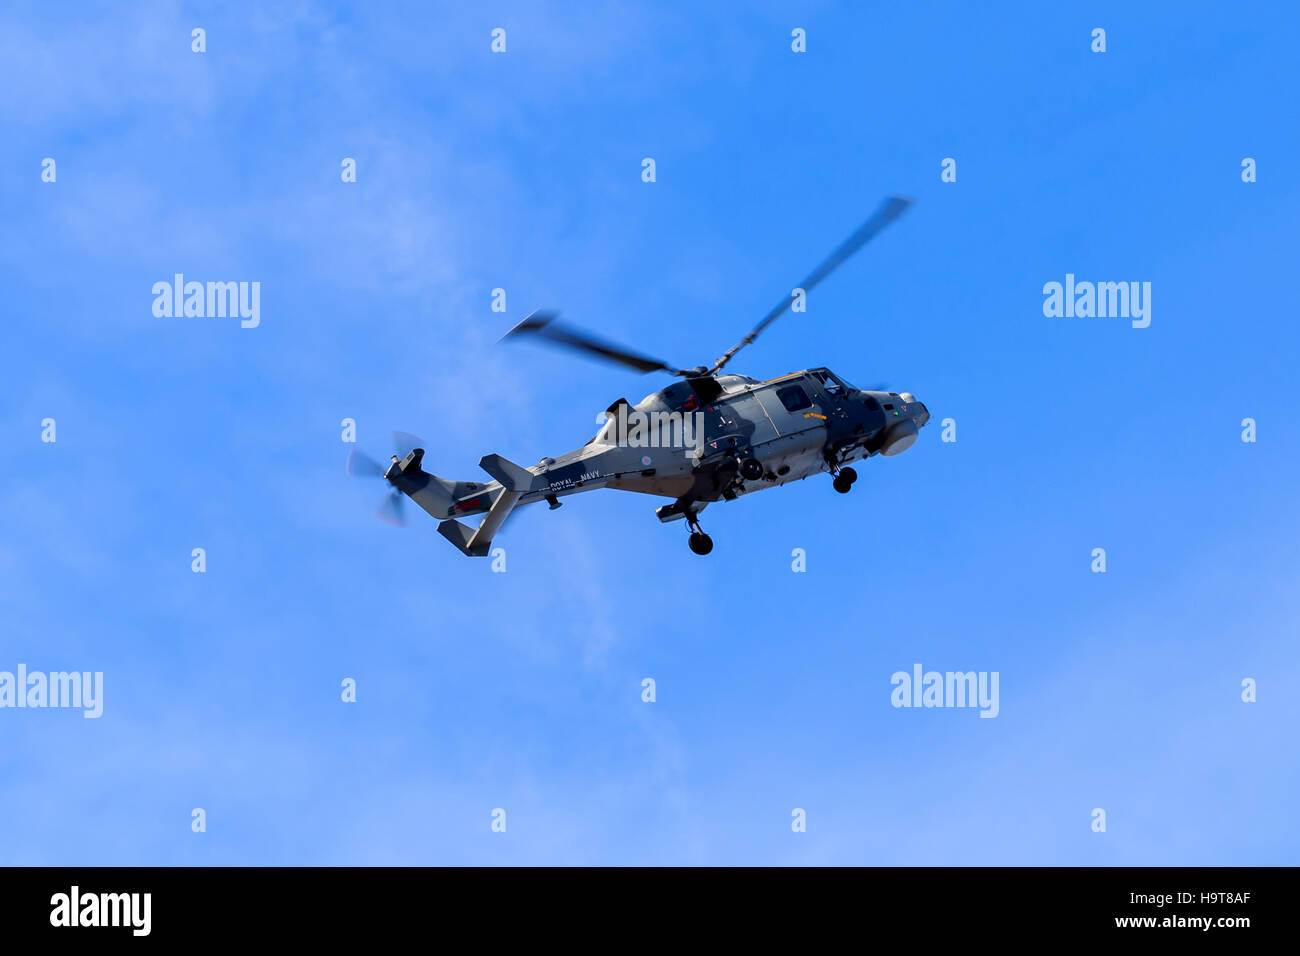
<point x="872" y="404"/>
<point x="794" y="398"/>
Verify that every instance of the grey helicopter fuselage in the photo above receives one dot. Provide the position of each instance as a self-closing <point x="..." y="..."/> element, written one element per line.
<point x="720" y="437"/>
<point x="727" y="435"/>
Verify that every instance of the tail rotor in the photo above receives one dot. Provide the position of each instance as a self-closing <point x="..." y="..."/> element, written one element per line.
<point x="392" y="508"/>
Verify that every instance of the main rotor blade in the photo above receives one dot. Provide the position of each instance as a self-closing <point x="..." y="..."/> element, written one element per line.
<point x="891" y="209"/>
<point x="542" y="324"/>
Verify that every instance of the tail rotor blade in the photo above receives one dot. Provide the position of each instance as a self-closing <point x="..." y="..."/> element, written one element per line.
<point x="393" y="509"/>
<point x="361" y="465"/>
<point x="404" y="442"/>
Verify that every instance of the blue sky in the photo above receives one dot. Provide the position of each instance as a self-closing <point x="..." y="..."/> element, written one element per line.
<point x="522" y="690"/>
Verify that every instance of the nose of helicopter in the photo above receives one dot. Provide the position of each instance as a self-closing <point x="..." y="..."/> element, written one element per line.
<point x="913" y="409"/>
<point x="899" y="407"/>
<point x="904" y="418"/>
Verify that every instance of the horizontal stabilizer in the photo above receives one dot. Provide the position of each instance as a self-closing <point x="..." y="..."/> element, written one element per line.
<point x="460" y="535"/>
<point x="511" y="476"/>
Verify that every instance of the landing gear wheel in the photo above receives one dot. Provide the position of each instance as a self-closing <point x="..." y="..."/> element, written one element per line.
<point x="842" y="484"/>
<point x="700" y="542"/>
<point x="751" y="469"/>
<point x="849" y="475"/>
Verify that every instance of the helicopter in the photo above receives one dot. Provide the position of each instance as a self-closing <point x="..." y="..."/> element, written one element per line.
<point x="706" y="438"/>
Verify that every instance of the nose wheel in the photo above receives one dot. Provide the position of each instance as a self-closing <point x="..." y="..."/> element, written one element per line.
<point x="844" y="479"/>
<point x="699" y="542"/>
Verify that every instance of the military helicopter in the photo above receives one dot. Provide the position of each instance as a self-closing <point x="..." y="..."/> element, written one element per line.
<point x="709" y="437"/>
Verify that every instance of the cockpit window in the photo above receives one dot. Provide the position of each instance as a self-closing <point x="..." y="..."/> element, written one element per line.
<point x="794" y="398"/>
<point x="681" y="397"/>
<point x="833" y="384"/>
<point x="706" y="389"/>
